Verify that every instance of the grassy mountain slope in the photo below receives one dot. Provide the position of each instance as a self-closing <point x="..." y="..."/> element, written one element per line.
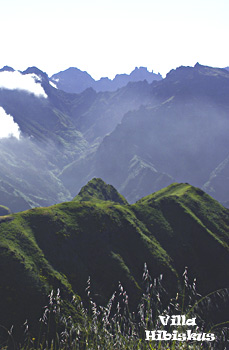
<point x="96" y="190"/>
<point x="193" y="228"/>
<point x="60" y="246"/>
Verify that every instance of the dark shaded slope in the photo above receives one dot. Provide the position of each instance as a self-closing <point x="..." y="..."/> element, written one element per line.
<point x="26" y="276"/>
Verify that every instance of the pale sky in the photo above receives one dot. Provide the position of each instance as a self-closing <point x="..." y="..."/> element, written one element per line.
<point x="108" y="37"/>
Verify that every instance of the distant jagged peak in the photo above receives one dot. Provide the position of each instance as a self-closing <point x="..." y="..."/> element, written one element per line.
<point x="7" y="69"/>
<point x="207" y="70"/>
<point x="197" y="69"/>
<point x="139" y="74"/>
<point x="143" y="71"/>
<point x="96" y="189"/>
<point x="29" y="70"/>
<point x="74" y="80"/>
<point x="36" y="71"/>
<point x="72" y="72"/>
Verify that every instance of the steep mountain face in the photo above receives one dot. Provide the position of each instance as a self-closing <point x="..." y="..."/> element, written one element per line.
<point x="28" y="174"/>
<point x="73" y="80"/>
<point x="182" y="134"/>
<point x="44" y="117"/>
<point x="217" y="185"/>
<point x="48" y="141"/>
<point x="97" y="114"/>
<point x="139" y="138"/>
<point x="110" y="240"/>
<point x="56" y="129"/>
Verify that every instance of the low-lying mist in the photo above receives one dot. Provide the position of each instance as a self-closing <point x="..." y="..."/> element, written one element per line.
<point x="28" y="174"/>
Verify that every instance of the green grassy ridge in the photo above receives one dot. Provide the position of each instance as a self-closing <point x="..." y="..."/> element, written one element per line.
<point x="203" y="207"/>
<point x="193" y="229"/>
<point x="85" y="235"/>
<point x="97" y="189"/>
<point x="60" y="246"/>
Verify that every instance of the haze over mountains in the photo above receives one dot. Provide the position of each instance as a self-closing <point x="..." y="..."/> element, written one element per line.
<point x="139" y="138"/>
<point x="181" y="134"/>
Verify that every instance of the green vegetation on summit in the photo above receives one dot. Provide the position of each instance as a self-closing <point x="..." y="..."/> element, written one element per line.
<point x="100" y="235"/>
<point x="97" y="189"/>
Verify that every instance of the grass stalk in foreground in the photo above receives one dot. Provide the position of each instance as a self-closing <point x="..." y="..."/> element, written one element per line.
<point x="115" y="327"/>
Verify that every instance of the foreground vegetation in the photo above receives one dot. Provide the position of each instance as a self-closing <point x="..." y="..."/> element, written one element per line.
<point x="114" y="326"/>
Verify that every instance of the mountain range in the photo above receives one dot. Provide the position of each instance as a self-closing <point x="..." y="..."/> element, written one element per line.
<point x="98" y="234"/>
<point x="179" y="135"/>
<point x="161" y="145"/>
<point x="73" y="80"/>
<point x="140" y="138"/>
<point x="56" y="129"/>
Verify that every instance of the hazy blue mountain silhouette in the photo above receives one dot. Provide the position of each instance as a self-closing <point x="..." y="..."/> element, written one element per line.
<point x="74" y="80"/>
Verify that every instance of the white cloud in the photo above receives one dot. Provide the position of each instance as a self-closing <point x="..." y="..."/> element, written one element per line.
<point x="17" y="81"/>
<point x="8" y="127"/>
<point x="52" y="84"/>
